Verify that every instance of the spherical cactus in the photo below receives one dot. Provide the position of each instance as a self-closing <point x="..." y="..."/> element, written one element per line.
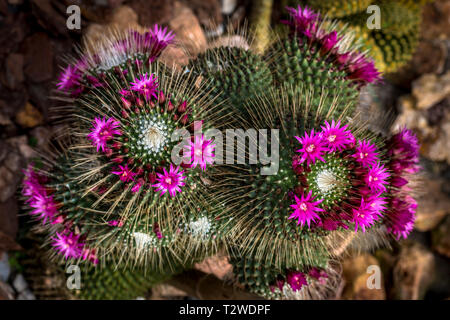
<point x="128" y="181"/>
<point x="48" y="279"/>
<point x="398" y="33"/>
<point x="261" y="278"/>
<point x="233" y="74"/>
<point x="316" y="55"/>
<point x="396" y="50"/>
<point x="122" y="283"/>
<point x="338" y="9"/>
<point x="334" y="178"/>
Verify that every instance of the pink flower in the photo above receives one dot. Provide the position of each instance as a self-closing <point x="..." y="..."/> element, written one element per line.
<point x="376" y="203"/>
<point x="69" y="78"/>
<point x="58" y="220"/>
<point x="335" y="137"/>
<point x="138" y="185"/>
<point x="200" y="152"/>
<point x="157" y="39"/>
<point x="296" y="280"/>
<point x="401" y="217"/>
<point x="365" y="153"/>
<point x="376" y="178"/>
<point x="406" y="141"/>
<point x="405" y="151"/>
<point x="31" y="185"/>
<point x="312" y="148"/>
<point x="89" y="255"/>
<point x="44" y="206"/>
<point x="170" y="181"/>
<point x="124" y="173"/>
<point x="319" y="275"/>
<point x="363" y="70"/>
<point x="68" y="245"/>
<point x="303" y="20"/>
<point x="329" y="41"/>
<point x="279" y="283"/>
<point x="146" y="86"/>
<point x="115" y="223"/>
<point x="363" y="216"/>
<point x="305" y="209"/>
<point x="103" y="131"/>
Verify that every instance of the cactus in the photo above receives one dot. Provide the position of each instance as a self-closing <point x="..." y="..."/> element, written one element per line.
<point x="315" y="54"/>
<point x="113" y="194"/>
<point x="113" y="189"/>
<point x="400" y="27"/>
<point x="334" y="180"/>
<point x="234" y="74"/>
<point x="338" y="9"/>
<point x="49" y="280"/>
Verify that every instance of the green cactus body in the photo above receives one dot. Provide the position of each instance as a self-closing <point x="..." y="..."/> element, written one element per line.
<point x="397" y="50"/>
<point x="299" y="66"/>
<point x="263" y="278"/>
<point x="233" y="75"/>
<point x="109" y="283"/>
<point x="393" y="45"/>
<point x="339" y="8"/>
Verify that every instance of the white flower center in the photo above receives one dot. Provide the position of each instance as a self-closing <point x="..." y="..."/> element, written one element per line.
<point x="153" y="135"/>
<point x="200" y="227"/>
<point x="326" y="180"/>
<point x="144" y="240"/>
<point x="310" y="148"/>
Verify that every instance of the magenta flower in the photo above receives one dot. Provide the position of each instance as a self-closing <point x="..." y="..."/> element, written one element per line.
<point x="376" y="178"/>
<point x="304" y="20"/>
<point x="147" y="86"/>
<point x="363" y="70"/>
<point x="138" y="185"/>
<point x="124" y="173"/>
<point x="376" y="203"/>
<point x="31" y="184"/>
<point x="200" y="152"/>
<point x="312" y="147"/>
<point x="319" y="275"/>
<point x="116" y="223"/>
<point x="329" y="41"/>
<point x="157" y="39"/>
<point x="69" y="78"/>
<point x="305" y="209"/>
<point x="335" y="137"/>
<point x="44" y="206"/>
<point x="400" y="219"/>
<point x="68" y="245"/>
<point x="296" y="280"/>
<point x="90" y="255"/>
<point x="365" y="153"/>
<point x="170" y="181"/>
<point x="363" y="217"/>
<point x="103" y="131"/>
<point x="279" y="283"/>
<point x="405" y="152"/>
<point x="406" y="142"/>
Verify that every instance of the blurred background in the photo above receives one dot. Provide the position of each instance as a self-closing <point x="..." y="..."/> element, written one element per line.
<point x="34" y="41"/>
